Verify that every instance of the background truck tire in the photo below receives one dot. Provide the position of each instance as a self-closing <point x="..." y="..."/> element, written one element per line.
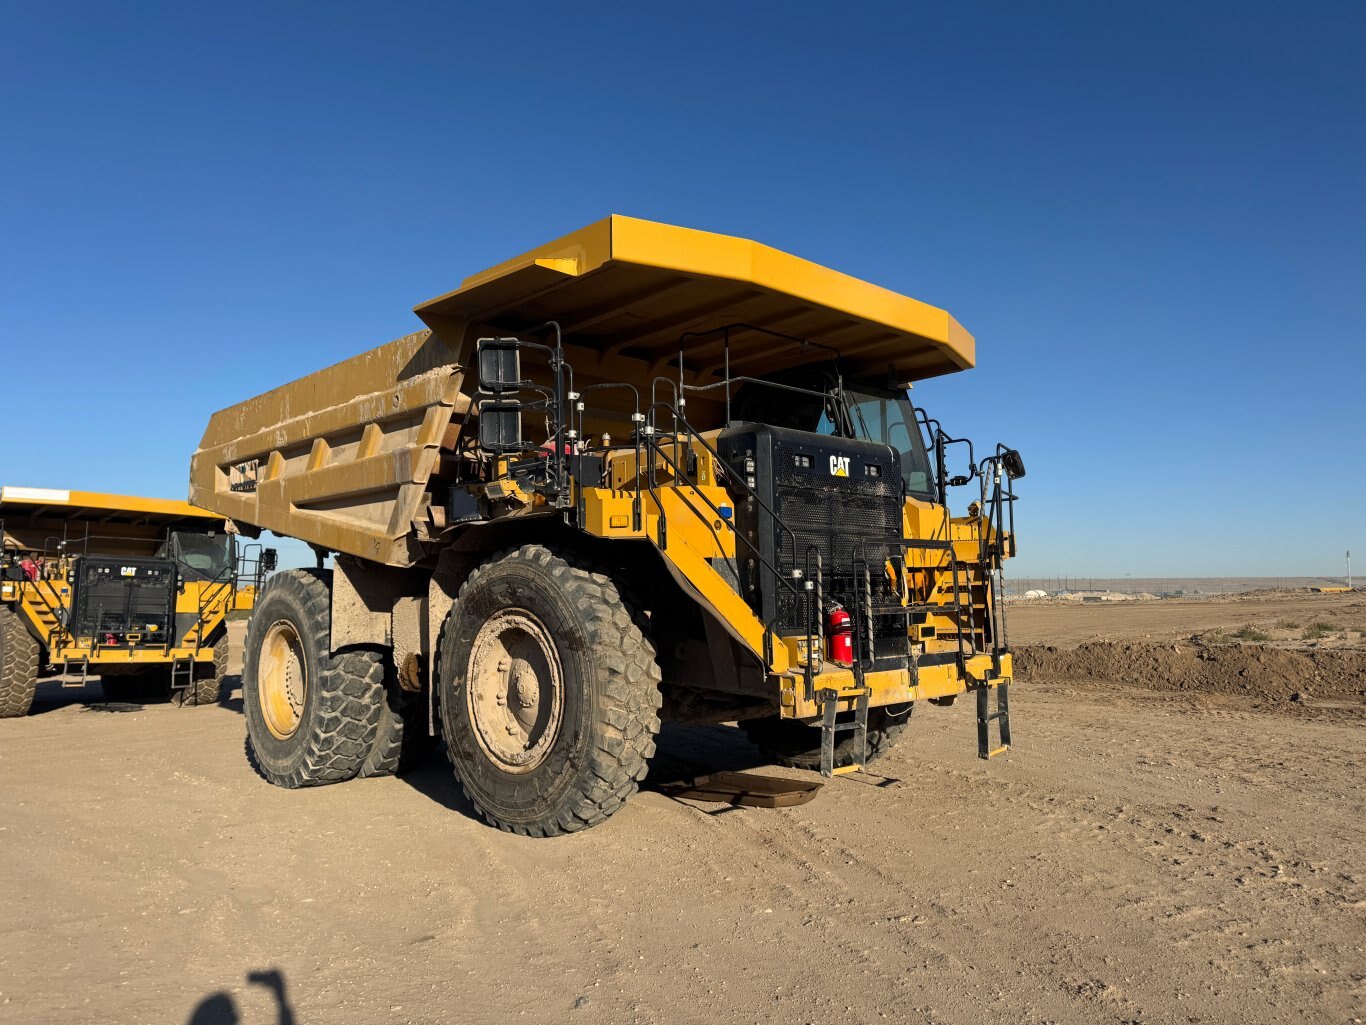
<point x="208" y="679"/>
<point x="18" y="666"/>
<point x="529" y="625"/>
<point x="798" y="746"/>
<point x="311" y="715"/>
<point x="401" y="739"/>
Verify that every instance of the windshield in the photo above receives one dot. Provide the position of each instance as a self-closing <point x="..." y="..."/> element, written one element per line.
<point x="805" y="401"/>
<point x="889" y="418"/>
<point x="202" y="555"/>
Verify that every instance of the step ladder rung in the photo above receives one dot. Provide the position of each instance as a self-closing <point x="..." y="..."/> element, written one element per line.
<point x="985" y="717"/>
<point x="830" y="699"/>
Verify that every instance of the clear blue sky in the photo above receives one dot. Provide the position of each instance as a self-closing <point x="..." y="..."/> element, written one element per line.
<point x="1152" y="217"/>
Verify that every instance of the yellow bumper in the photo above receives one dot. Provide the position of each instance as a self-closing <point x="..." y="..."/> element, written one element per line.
<point x="892" y="687"/>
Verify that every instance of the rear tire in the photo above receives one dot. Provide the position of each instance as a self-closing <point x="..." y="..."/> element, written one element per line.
<point x="18" y="666"/>
<point x="311" y="715"/>
<point x="207" y="686"/>
<point x="798" y="746"/>
<point x="549" y="693"/>
<point x="402" y="742"/>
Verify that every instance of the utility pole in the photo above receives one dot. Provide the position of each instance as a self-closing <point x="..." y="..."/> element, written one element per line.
<point x="1349" y="567"/>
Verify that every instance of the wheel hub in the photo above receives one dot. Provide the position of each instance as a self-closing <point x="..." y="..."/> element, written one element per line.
<point x="282" y="679"/>
<point x="515" y="690"/>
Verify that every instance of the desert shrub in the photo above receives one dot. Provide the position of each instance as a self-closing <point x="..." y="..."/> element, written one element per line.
<point x="1315" y="631"/>
<point x="1251" y="633"/>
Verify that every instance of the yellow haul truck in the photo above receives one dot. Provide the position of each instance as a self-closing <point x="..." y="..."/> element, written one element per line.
<point x="136" y="590"/>
<point x="639" y="473"/>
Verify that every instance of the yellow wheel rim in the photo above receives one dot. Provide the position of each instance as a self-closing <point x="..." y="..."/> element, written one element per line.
<point x="282" y="680"/>
<point x="515" y="691"/>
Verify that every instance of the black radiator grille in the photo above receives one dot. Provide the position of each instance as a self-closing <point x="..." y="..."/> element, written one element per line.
<point x="837" y="518"/>
<point x="842" y="518"/>
<point x="840" y="497"/>
<point x="121" y="596"/>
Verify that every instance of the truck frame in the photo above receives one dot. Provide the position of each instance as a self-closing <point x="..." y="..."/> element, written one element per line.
<point x="640" y="473"/>
<point x="134" y="590"/>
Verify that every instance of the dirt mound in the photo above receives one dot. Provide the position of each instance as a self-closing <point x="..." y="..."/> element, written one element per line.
<point x="1251" y="670"/>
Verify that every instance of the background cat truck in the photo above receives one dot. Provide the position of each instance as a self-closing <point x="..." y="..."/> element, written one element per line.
<point x="134" y="590"/>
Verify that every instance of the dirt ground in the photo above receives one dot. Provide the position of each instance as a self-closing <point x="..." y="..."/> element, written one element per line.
<point x="1142" y="855"/>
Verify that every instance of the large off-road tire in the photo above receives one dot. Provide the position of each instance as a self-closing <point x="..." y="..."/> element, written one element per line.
<point x="798" y="746"/>
<point x="18" y="666"/>
<point x="549" y="692"/>
<point x="207" y="686"/>
<point x="311" y="715"/>
<point x="402" y="741"/>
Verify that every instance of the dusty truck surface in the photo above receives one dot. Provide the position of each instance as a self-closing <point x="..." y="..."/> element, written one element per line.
<point x="135" y="590"/>
<point x="641" y="473"/>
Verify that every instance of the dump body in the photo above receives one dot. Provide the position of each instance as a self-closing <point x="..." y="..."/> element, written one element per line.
<point x="112" y="582"/>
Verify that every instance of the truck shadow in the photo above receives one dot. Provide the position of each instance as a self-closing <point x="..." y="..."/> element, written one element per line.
<point x="53" y="695"/>
<point x="682" y="753"/>
<point x="435" y="780"/>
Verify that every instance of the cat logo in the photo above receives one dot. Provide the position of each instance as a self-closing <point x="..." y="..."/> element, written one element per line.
<point x="839" y="466"/>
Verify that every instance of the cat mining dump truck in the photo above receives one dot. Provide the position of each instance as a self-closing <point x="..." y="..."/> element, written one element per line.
<point x="134" y="590"/>
<point x="641" y="473"/>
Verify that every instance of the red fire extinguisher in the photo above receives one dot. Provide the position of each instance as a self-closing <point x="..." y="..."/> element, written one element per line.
<point x="840" y="631"/>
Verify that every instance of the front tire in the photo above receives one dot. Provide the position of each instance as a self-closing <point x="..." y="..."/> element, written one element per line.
<point x="18" y="666"/>
<point x="311" y="715"/>
<point x="549" y="693"/>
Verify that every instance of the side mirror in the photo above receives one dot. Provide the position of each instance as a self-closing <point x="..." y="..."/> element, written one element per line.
<point x="1013" y="463"/>
<point x="500" y="427"/>
<point x="270" y="558"/>
<point x="500" y="365"/>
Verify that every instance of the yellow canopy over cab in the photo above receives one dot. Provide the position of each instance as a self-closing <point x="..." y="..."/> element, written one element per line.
<point x="63" y="504"/>
<point x="630" y="289"/>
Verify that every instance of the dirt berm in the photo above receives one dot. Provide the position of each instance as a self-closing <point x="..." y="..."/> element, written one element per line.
<point x="1250" y="670"/>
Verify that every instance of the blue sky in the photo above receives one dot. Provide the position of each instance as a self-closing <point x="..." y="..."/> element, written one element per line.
<point x="1152" y="217"/>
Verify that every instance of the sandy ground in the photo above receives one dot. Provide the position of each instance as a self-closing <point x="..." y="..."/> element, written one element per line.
<point x="1136" y="858"/>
